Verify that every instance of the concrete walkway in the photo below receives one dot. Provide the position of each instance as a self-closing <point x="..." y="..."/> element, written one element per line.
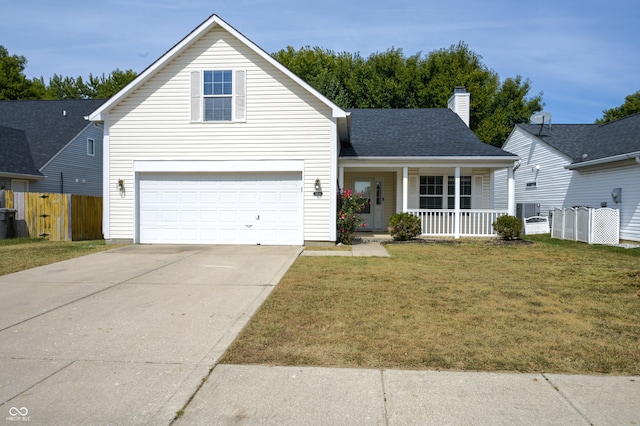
<point x="364" y="245"/>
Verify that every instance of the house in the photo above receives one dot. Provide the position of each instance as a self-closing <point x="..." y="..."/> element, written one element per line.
<point x="49" y="146"/>
<point x="569" y="165"/>
<point x="216" y="142"/>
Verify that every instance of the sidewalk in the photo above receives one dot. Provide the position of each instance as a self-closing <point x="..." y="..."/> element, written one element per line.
<point x="263" y="395"/>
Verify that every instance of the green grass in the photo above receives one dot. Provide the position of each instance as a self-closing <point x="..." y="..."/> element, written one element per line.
<point x="18" y="254"/>
<point x="553" y="306"/>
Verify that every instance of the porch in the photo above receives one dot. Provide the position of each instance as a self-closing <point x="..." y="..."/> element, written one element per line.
<point x="451" y="200"/>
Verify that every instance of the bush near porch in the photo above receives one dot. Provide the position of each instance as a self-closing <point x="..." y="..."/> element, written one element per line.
<point x="552" y="306"/>
<point x="348" y="220"/>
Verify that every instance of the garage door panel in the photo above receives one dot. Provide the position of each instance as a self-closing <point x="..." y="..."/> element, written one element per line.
<point x="169" y="197"/>
<point x="220" y="208"/>
<point x="169" y="216"/>
<point x="189" y="197"/>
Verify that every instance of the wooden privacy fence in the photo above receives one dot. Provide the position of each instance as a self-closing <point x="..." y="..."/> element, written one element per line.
<point x="56" y="217"/>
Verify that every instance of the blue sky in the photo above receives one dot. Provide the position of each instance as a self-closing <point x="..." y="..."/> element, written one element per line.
<point x="583" y="56"/>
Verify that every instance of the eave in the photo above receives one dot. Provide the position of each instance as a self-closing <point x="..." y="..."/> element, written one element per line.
<point x="21" y="176"/>
<point x="606" y="160"/>
<point x="433" y="161"/>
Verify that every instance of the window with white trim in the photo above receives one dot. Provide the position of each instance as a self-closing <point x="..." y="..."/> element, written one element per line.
<point x="91" y="147"/>
<point x="218" y="95"/>
<point x="433" y="192"/>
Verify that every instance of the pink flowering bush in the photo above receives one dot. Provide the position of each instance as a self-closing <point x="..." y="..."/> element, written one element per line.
<point x="350" y="204"/>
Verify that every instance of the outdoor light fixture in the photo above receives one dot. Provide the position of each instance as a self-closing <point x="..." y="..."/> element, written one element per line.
<point x="318" y="188"/>
<point x="121" y="184"/>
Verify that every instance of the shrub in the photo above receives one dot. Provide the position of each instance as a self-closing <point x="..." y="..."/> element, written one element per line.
<point x="508" y="227"/>
<point x="350" y="204"/>
<point x="404" y="226"/>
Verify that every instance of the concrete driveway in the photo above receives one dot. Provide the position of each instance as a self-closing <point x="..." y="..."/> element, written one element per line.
<point x="127" y="335"/>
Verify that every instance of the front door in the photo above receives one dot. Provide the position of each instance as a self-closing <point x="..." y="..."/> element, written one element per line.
<point x="363" y="186"/>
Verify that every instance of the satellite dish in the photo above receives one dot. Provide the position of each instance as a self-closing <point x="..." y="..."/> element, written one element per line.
<point x="541" y="118"/>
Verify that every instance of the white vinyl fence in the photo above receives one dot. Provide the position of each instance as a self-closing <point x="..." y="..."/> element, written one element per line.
<point x="592" y="226"/>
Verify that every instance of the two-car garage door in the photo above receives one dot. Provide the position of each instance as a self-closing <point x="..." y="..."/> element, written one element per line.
<point x="220" y="208"/>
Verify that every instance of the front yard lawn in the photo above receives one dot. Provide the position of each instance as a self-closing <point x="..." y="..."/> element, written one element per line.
<point x="553" y="306"/>
<point x="18" y="254"/>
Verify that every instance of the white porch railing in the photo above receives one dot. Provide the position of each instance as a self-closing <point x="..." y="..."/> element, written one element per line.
<point x="471" y="223"/>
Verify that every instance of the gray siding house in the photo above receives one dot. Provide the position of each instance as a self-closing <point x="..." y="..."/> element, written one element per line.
<point x="49" y="146"/>
<point x="570" y="165"/>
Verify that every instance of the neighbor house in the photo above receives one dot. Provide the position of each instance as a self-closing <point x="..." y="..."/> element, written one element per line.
<point x="570" y="165"/>
<point x="217" y="142"/>
<point x="49" y="146"/>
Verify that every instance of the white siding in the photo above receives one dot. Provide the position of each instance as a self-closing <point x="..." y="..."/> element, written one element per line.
<point x="283" y="122"/>
<point x="590" y="188"/>
<point x="552" y="179"/>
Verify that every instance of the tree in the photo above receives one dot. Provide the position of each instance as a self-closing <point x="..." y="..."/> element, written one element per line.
<point x="13" y="83"/>
<point x="630" y="106"/>
<point x="507" y="107"/>
<point x="391" y="80"/>
<point x="102" y="87"/>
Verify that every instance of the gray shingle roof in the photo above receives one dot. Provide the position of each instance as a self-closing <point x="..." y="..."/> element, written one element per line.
<point x="585" y="142"/>
<point x="433" y="132"/>
<point x="16" y="156"/>
<point x="46" y="128"/>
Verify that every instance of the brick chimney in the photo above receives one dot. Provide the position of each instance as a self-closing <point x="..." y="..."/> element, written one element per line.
<point x="459" y="102"/>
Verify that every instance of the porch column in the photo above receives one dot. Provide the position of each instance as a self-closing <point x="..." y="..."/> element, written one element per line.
<point x="511" y="193"/>
<point x="405" y="189"/>
<point x="341" y="177"/>
<point x="456" y="206"/>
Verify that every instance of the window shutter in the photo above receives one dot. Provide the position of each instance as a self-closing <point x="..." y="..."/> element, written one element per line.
<point x="240" y="95"/>
<point x="196" y="96"/>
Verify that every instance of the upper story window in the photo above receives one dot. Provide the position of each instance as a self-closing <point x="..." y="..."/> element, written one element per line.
<point x="91" y="147"/>
<point x="218" y="95"/>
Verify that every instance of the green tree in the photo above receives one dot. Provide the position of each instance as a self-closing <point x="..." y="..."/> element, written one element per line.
<point x="66" y="88"/>
<point x="13" y="83"/>
<point x="630" y="106"/>
<point x="104" y="87"/>
<point x="391" y="80"/>
<point x="507" y="107"/>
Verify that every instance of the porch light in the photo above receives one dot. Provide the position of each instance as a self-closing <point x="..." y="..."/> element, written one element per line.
<point x="317" y="188"/>
<point x="121" y="184"/>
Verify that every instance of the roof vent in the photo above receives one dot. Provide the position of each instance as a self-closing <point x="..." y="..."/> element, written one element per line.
<point x="64" y="112"/>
